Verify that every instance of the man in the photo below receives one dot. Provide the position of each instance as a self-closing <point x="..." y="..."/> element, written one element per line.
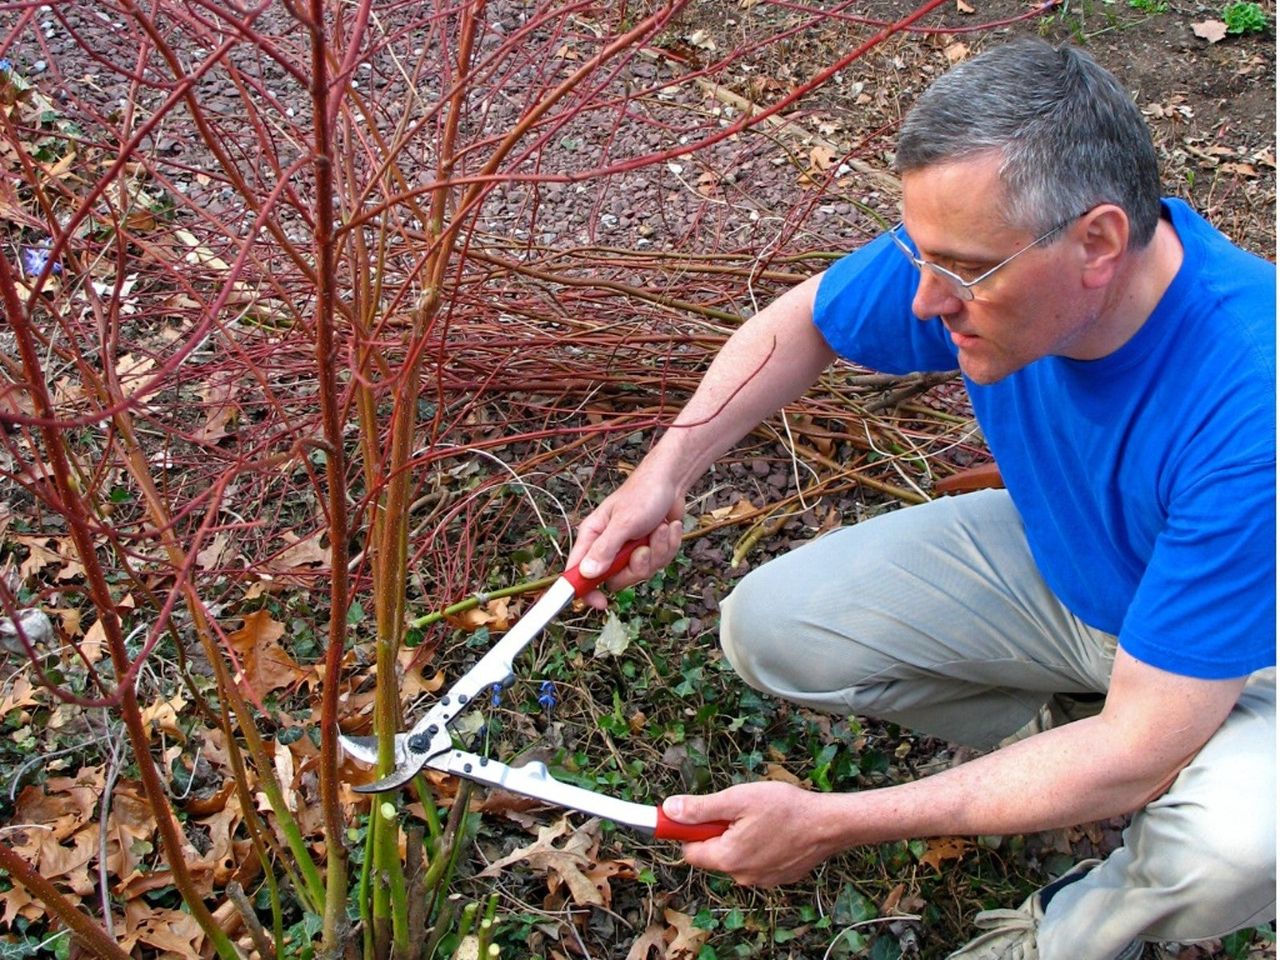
<point x="1119" y="354"/>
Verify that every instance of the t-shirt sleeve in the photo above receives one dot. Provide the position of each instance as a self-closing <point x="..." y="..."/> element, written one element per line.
<point x="1211" y="579"/>
<point x="863" y="310"/>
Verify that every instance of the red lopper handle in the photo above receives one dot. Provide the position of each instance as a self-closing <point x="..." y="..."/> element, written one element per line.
<point x="582" y="586"/>
<point x="668" y="829"/>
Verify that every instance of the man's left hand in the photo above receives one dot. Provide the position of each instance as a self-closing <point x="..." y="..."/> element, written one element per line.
<point x="777" y="834"/>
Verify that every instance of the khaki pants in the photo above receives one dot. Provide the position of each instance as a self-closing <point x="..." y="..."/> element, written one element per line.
<point x="936" y="618"/>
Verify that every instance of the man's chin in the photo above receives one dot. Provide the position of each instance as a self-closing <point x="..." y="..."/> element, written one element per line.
<point x="983" y="373"/>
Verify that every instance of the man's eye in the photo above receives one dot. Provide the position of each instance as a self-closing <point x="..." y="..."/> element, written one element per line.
<point x="969" y="271"/>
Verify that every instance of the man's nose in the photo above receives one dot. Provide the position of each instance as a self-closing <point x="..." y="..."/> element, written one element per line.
<point x="935" y="297"/>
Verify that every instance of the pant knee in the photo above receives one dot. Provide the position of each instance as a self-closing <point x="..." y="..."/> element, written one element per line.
<point x="752" y="631"/>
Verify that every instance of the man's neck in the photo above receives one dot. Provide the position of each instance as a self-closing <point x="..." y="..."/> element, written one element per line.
<point x="1145" y="279"/>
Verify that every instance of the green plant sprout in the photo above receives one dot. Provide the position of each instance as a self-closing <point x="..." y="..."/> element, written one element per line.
<point x="1244" y="16"/>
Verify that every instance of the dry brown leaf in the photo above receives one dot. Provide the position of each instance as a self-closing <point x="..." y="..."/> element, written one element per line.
<point x="654" y="938"/>
<point x="70" y="618"/>
<point x="16" y="902"/>
<point x="963" y="7"/>
<point x="822" y="157"/>
<point x="776" y="771"/>
<point x="956" y="52"/>
<point x="221" y="410"/>
<point x="94" y="642"/>
<point x="69" y="862"/>
<point x="574" y="863"/>
<point x="1240" y="169"/>
<point x="164" y="715"/>
<point x="495" y="614"/>
<point x="61" y="807"/>
<point x="172" y="932"/>
<point x="20" y="693"/>
<point x="306" y="553"/>
<point x="265" y="665"/>
<point x="688" y="939"/>
<point x="945" y="848"/>
<point x="1211" y="30"/>
<point x="39" y="555"/>
<point x="211" y="556"/>
<point x="737" y="511"/>
<point x="412" y="681"/>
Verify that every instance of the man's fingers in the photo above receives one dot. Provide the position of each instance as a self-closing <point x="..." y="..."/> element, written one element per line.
<point x="663" y="543"/>
<point x="699" y="809"/>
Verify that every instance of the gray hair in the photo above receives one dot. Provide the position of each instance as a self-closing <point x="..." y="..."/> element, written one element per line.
<point x="1068" y="135"/>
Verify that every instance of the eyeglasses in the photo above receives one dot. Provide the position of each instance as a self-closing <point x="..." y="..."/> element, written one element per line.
<point x="957" y="284"/>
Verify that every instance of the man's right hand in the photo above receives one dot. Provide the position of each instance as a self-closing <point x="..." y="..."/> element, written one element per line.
<point x="644" y="507"/>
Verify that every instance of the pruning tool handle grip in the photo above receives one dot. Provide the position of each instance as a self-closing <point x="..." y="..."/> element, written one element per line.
<point x="668" y="829"/>
<point x="584" y="585"/>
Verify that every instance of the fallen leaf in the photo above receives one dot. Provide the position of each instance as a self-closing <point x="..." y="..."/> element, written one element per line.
<point x="654" y="938"/>
<point x="963" y="7"/>
<point x="265" y="665"/>
<point x="494" y="614"/>
<point x="16" y="902"/>
<point x="39" y="555"/>
<point x="614" y="638"/>
<point x="172" y="932"/>
<point x="94" y="643"/>
<point x="221" y="410"/>
<point x="1211" y="30"/>
<point x="306" y="553"/>
<point x="956" y="52"/>
<point x="20" y="693"/>
<point x="574" y="863"/>
<point x="211" y="556"/>
<point x="945" y="848"/>
<point x="702" y="40"/>
<point x="164" y="715"/>
<point x="737" y="511"/>
<point x="412" y="681"/>
<point x="822" y="157"/>
<point x="688" y="940"/>
<point x="1241" y="169"/>
<point x="775" y="771"/>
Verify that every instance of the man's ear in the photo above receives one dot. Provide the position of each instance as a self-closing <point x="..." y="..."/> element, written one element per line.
<point x="1103" y="236"/>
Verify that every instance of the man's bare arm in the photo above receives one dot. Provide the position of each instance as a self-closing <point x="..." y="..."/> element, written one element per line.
<point x="768" y="362"/>
<point x="1153" y="724"/>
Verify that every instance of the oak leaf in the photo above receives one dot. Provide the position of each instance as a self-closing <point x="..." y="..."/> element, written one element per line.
<point x="689" y="938"/>
<point x="573" y="863"/>
<point x="943" y="849"/>
<point x="265" y="665"/>
<point x="654" y="938"/>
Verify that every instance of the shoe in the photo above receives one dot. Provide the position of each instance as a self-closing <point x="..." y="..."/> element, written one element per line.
<point x="1011" y="934"/>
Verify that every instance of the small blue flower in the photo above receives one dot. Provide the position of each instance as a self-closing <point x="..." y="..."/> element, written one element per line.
<point x="495" y="695"/>
<point x="34" y="260"/>
<point x="547" y="695"/>
<point x="5" y="66"/>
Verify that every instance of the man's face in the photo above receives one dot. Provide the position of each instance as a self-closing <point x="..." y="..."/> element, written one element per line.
<point x="1032" y="307"/>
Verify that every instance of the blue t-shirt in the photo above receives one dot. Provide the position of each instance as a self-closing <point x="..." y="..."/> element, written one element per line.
<point x="1146" y="479"/>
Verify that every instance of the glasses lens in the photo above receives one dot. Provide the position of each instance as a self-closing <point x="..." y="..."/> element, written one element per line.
<point x="950" y="282"/>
